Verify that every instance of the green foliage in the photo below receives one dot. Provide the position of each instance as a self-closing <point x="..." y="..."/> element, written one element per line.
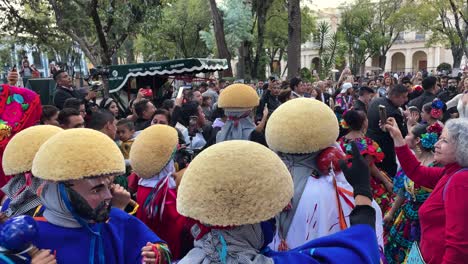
<point x="444" y="67"/>
<point x="176" y="34"/>
<point x="100" y="27"/>
<point x="371" y="27"/>
<point x="276" y="32"/>
<point x="238" y="23"/>
<point x="306" y="76"/>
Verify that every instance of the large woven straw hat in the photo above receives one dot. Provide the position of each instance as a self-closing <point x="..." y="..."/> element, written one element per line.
<point x="76" y="154"/>
<point x="238" y="96"/>
<point x="301" y="126"/>
<point x="20" y="151"/>
<point x="153" y="149"/>
<point x="234" y="183"/>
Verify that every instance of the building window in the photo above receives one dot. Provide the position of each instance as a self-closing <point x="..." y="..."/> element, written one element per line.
<point x="420" y="36"/>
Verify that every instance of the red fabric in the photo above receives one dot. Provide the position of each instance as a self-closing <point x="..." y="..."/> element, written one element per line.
<point x="171" y="227"/>
<point x="444" y="229"/>
<point x="29" y="118"/>
<point x="133" y="182"/>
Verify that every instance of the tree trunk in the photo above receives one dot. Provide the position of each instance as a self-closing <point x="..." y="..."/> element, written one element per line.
<point x="457" y="53"/>
<point x="241" y="63"/>
<point x="294" y="36"/>
<point x="262" y="9"/>
<point x="382" y="61"/>
<point x="129" y="54"/>
<point x="218" y="26"/>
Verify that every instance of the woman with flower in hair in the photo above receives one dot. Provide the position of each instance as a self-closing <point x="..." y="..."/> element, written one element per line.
<point x="403" y="217"/>
<point x="433" y="112"/>
<point x="355" y="123"/>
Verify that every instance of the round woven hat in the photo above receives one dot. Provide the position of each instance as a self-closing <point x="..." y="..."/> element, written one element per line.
<point x="20" y="151"/>
<point x="234" y="183"/>
<point x="76" y="154"/>
<point x="301" y="126"/>
<point x="238" y="96"/>
<point x="153" y="149"/>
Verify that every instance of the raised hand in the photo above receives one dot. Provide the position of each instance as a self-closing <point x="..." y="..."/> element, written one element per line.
<point x="358" y="175"/>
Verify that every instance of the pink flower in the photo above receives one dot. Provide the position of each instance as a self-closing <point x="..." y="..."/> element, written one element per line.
<point x="12" y="114"/>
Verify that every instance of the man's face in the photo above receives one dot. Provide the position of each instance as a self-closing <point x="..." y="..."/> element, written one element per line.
<point x="443" y="83"/>
<point x="111" y="129"/>
<point x="399" y="100"/>
<point x="82" y="110"/>
<point x="275" y="89"/>
<point x="96" y="192"/>
<point x="64" y="80"/>
<point x="300" y="88"/>
<point x="260" y="84"/>
<point x="159" y="120"/>
<point x="75" y="121"/>
<point x="366" y="98"/>
<point x="149" y="112"/>
<point x="452" y="84"/>
<point x="124" y="133"/>
<point x="197" y="97"/>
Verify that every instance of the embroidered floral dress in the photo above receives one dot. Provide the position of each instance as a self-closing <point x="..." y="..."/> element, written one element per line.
<point x="20" y="108"/>
<point x="406" y="228"/>
<point x="369" y="147"/>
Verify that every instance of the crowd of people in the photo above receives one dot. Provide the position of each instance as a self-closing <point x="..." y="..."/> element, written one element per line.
<point x="371" y="170"/>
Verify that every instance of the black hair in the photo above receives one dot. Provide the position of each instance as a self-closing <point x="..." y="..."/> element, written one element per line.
<point x="48" y="111"/>
<point x="57" y="74"/>
<point x="164" y="112"/>
<point x="168" y="104"/>
<point x="106" y="102"/>
<point x="203" y="84"/>
<point x="294" y="82"/>
<point x="419" y="129"/>
<point x="187" y="110"/>
<point x="397" y="90"/>
<point x="271" y="78"/>
<point x="128" y="123"/>
<point x="99" y="119"/>
<point x="405" y="80"/>
<point x="140" y="107"/>
<point x="363" y="90"/>
<point x="429" y="82"/>
<point x="64" y="115"/>
<point x="73" y="103"/>
<point x="354" y="119"/>
<point x="218" y="112"/>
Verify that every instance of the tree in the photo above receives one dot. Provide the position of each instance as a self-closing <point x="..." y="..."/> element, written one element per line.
<point x="99" y="27"/>
<point x="330" y="48"/>
<point x="446" y="22"/>
<point x="362" y="39"/>
<point x="294" y="36"/>
<point x="177" y="33"/>
<point x="218" y="27"/>
<point x="276" y="34"/>
<point x="389" y="22"/>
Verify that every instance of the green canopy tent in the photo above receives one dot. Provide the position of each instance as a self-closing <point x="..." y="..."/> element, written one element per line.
<point x="119" y="75"/>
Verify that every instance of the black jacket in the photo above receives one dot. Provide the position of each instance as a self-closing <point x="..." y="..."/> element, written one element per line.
<point x="271" y="101"/>
<point x="360" y="106"/>
<point x="62" y="94"/>
<point x="423" y="99"/>
<point x="383" y="138"/>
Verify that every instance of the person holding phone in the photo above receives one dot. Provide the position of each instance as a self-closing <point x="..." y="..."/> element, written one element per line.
<point x="396" y="98"/>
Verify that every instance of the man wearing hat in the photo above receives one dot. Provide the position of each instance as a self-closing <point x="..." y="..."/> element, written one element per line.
<point x="17" y="162"/>
<point x="238" y="101"/>
<point x="79" y="224"/>
<point x="365" y="96"/>
<point x="151" y="157"/>
<point x="299" y="131"/>
<point x="233" y="198"/>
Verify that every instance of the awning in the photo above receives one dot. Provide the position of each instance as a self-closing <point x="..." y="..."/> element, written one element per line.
<point x="119" y="74"/>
